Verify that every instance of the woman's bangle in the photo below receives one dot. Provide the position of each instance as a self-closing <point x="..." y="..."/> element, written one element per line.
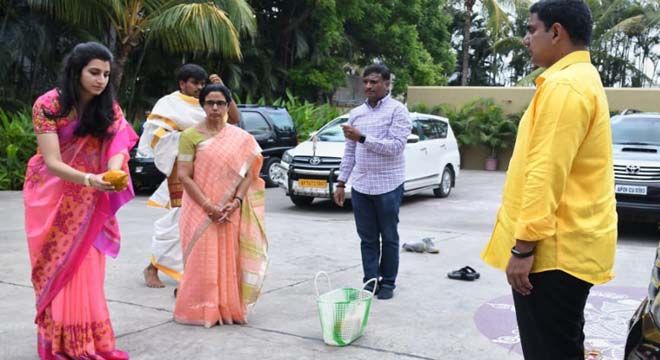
<point x="240" y="199"/>
<point x="206" y="202"/>
<point x="87" y="180"/>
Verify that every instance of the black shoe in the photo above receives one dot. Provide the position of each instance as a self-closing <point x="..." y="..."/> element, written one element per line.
<point x="386" y="293"/>
<point x="370" y="288"/>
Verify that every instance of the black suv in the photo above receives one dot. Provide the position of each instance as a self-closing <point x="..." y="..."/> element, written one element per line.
<point x="271" y="126"/>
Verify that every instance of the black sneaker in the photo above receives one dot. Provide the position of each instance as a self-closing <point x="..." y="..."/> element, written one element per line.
<point x="386" y="293"/>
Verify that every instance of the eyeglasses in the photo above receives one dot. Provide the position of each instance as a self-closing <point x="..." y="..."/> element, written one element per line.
<point x="211" y="103"/>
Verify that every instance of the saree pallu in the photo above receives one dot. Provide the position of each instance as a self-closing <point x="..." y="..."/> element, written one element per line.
<point x="70" y="228"/>
<point x="224" y="263"/>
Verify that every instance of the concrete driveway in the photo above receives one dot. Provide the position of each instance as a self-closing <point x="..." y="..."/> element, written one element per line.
<point x="431" y="317"/>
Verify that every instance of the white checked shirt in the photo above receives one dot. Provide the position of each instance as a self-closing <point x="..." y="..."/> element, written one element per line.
<point x="377" y="166"/>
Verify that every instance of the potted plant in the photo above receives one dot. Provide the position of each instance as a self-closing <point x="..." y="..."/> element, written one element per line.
<point x="496" y="131"/>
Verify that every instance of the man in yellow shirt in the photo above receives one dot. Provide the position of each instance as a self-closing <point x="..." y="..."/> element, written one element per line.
<point x="556" y="229"/>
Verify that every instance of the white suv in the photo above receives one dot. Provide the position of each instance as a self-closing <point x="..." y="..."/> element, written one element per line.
<point x="310" y="170"/>
<point x="636" y="141"/>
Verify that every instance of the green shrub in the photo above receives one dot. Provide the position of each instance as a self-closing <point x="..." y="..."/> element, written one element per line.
<point x="17" y="144"/>
<point x="307" y="116"/>
<point x="479" y="122"/>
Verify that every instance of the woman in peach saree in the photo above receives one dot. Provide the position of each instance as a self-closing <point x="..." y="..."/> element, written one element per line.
<point x="70" y="210"/>
<point x="222" y="234"/>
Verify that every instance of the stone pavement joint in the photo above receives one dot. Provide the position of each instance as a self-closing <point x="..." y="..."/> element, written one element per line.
<point x="311" y="338"/>
<point x="140" y="305"/>
<point x="144" y="329"/>
<point x="15" y="284"/>
<point x="308" y="280"/>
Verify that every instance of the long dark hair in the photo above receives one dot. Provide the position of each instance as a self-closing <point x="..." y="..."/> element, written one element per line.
<point x="99" y="113"/>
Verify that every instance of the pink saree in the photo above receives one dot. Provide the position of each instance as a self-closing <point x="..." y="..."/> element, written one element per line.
<point x="224" y="263"/>
<point x="70" y="228"/>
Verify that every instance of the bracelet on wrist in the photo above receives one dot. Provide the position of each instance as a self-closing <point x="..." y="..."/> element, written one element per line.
<point x="87" y="180"/>
<point x="240" y="199"/>
<point x="517" y="253"/>
<point x="341" y="185"/>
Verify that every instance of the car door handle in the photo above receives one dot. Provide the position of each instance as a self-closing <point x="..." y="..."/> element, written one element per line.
<point x="443" y="146"/>
<point x="422" y="149"/>
<point x="270" y="140"/>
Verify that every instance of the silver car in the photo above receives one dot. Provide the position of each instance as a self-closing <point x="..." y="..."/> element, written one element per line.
<point x="636" y="151"/>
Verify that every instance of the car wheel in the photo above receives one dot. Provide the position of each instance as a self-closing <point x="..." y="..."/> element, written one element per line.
<point x="301" y="201"/>
<point x="271" y="171"/>
<point x="445" y="183"/>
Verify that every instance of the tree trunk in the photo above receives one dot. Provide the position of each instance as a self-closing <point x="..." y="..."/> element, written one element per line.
<point x="467" y="25"/>
<point x="120" y="63"/>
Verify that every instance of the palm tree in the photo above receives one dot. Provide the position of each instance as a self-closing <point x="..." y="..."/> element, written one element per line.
<point x="624" y="36"/>
<point x="178" y="26"/>
<point x="497" y="20"/>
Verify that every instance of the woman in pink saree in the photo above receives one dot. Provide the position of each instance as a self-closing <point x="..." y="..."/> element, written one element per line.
<point x="222" y="232"/>
<point x="70" y="210"/>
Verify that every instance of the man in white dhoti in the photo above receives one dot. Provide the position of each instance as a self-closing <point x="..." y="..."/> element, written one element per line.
<point x="172" y="114"/>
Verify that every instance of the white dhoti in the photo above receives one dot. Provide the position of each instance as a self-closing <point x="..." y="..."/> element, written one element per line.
<point x="172" y="114"/>
<point x="165" y="245"/>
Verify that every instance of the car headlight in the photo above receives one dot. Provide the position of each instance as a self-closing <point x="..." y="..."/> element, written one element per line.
<point x="287" y="157"/>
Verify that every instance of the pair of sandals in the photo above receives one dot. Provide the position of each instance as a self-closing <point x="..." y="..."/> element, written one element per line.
<point x="466" y="273"/>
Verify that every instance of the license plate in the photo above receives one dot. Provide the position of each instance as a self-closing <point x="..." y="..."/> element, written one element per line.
<point x="630" y="189"/>
<point x="313" y="183"/>
<point x="138" y="169"/>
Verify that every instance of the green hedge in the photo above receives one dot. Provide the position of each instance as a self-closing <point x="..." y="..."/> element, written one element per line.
<point x="17" y="144"/>
<point x="479" y="122"/>
<point x="307" y="116"/>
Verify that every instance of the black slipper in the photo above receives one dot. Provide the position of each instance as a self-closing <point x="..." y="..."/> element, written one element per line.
<point x="466" y="273"/>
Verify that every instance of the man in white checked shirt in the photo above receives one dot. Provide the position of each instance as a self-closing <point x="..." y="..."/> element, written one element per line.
<point x="373" y="163"/>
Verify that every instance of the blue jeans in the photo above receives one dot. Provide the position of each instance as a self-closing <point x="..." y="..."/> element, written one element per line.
<point x="376" y="218"/>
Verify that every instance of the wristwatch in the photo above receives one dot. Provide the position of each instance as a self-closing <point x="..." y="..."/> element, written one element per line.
<point x="515" y="252"/>
<point x="362" y="139"/>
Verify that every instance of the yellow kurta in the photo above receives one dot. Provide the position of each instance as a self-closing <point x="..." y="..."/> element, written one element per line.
<point x="559" y="189"/>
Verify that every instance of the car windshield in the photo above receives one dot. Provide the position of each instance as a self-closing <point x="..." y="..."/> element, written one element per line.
<point x="282" y="120"/>
<point x="636" y="130"/>
<point x="332" y="131"/>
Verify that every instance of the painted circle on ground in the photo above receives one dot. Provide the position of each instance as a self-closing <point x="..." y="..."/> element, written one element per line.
<point x="607" y="313"/>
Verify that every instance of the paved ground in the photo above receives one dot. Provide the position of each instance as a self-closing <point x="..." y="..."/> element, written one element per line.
<point x="431" y="317"/>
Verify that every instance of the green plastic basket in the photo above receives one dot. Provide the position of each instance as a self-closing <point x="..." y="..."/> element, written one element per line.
<point x="343" y="312"/>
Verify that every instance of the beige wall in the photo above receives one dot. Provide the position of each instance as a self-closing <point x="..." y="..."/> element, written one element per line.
<point x="514" y="99"/>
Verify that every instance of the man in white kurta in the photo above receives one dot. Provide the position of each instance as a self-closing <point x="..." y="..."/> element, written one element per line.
<point x="171" y="115"/>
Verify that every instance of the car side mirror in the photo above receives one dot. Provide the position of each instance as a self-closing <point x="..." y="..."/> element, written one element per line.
<point x="412" y="138"/>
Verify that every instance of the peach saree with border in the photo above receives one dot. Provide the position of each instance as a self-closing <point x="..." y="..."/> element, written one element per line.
<point x="224" y="263"/>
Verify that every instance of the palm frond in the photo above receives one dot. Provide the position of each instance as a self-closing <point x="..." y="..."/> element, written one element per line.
<point x="195" y="28"/>
<point x="76" y="12"/>
<point x="635" y="24"/>
<point x="498" y="18"/>
<point x="506" y="45"/>
<point x="241" y="15"/>
<point x="607" y="18"/>
<point x="528" y="80"/>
